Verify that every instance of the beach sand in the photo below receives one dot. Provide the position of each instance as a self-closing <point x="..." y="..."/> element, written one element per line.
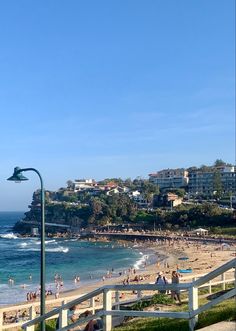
<point x="202" y="258"/>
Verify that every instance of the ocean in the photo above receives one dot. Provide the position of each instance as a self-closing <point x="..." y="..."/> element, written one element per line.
<point x="20" y="260"/>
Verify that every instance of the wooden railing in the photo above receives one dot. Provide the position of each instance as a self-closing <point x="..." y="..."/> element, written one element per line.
<point x="110" y="303"/>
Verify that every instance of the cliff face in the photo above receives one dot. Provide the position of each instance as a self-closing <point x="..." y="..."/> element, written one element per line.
<point x="62" y="215"/>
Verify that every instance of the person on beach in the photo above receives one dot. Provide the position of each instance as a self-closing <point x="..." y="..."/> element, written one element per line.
<point x="93" y="324"/>
<point x="161" y="280"/>
<point x="175" y="294"/>
<point x="71" y="317"/>
<point x="17" y="317"/>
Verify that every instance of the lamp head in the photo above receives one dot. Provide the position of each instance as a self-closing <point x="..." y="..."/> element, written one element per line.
<point x="17" y="176"/>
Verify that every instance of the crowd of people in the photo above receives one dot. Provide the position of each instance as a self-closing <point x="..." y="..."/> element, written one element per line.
<point x="33" y="295"/>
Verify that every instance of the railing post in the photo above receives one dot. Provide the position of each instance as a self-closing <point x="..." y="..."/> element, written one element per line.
<point x="32" y="315"/>
<point x="63" y="316"/>
<point x="209" y="287"/>
<point x="193" y="304"/>
<point x="235" y="274"/>
<point x="107" y="305"/>
<point x="1" y="319"/>
<point x="139" y="294"/>
<point x="117" y="299"/>
<point x="92" y="305"/>
<point x="223" y="280"/>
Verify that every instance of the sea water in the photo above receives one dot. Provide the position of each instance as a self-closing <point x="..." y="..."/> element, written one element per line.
<point x="20" y="260"/>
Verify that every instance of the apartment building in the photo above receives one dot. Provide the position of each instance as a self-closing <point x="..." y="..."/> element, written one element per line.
<point x="170" y="178"/>
<point x="206" y="181"/>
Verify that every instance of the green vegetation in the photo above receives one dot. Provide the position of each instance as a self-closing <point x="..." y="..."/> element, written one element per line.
<point x="50" y="325"/>
<point x="217" y="184"/>
<point x="222" y="312"/>
<point x="96" y="206"/>
<point x="229" y="231"/>
<point x="156" y="299"/>
<point x="118" y="209"/>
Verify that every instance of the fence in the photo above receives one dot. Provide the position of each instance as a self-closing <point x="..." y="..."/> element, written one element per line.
<point x="111" y="301"/>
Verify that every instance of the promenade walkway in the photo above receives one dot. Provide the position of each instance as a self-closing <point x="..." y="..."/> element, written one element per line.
<point x="221" y="326"/>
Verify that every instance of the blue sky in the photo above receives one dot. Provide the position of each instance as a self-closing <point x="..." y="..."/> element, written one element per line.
<point x="113" y="89"/>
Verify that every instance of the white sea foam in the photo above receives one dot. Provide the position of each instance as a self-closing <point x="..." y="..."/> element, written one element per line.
<point x="50" y="250"/>
<point x="58" y="249"/>
<point x="23" y="244"/>
<point x="38" y="242"/>
<point x="8" y="236"/>
<point x="50" y="241"/>
<point x="140" y="262"/>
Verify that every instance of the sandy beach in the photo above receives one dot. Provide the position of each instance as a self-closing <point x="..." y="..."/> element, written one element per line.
<point x="202" y="258"/>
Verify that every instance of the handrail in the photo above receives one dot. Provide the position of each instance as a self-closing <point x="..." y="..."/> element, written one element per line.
<point x="214" y="302"/>
<point x="52" y="301"/>
<point x="84" y="320"/>
<point x="172" y="314"/>
<point x="229" y="265"/>
<point x="137" y="287"/>
<point x="147" y="287"/>
<point x="106" y="309"/>
<point x="65" y="306"/>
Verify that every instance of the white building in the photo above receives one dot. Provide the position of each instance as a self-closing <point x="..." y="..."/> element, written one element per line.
<point x="83" y="184"/>
<point x="170" y="178"/>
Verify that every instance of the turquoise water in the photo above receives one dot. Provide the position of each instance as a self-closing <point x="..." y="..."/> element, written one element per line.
<point x="20" y="258"/>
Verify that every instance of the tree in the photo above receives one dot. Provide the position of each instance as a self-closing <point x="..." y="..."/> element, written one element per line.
<point x="178" y="191"/>
<point x="104" y="221"/>
<point x="70" y="184"/>
<point x="96" y="206"/>
<point x="219" y="162"/>
<point x="217" y="184"/>
<point x="204" y="168"/>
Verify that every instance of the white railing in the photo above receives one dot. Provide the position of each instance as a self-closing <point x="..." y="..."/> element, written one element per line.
<point x="110" y="303"/>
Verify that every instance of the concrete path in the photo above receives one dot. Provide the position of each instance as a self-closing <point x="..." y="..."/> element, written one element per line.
<point x="221" y="326"/>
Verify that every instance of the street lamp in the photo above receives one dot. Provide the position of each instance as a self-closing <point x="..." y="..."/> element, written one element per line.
<point x="18" y="177"/>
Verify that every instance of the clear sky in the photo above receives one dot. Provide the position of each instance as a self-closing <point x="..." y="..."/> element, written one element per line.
<point x="94" y="89"/>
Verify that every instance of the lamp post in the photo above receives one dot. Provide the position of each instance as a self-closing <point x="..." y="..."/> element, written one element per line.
<point x="18" y="177"/>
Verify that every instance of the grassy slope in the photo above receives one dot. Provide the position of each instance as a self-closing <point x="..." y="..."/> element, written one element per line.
<point x="222" y="312"/>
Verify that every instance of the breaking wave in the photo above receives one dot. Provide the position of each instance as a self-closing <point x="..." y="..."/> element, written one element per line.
<point x="8" y="236"/>
<point x="50" y="241"/>
<point x="59" y="249"/>
<point x="23" y="245"/>
<point x="141" y="262"/>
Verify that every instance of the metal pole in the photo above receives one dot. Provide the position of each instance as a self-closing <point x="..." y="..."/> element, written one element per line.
<point x="42" y="272"/>
<point x="42" y="251"/>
